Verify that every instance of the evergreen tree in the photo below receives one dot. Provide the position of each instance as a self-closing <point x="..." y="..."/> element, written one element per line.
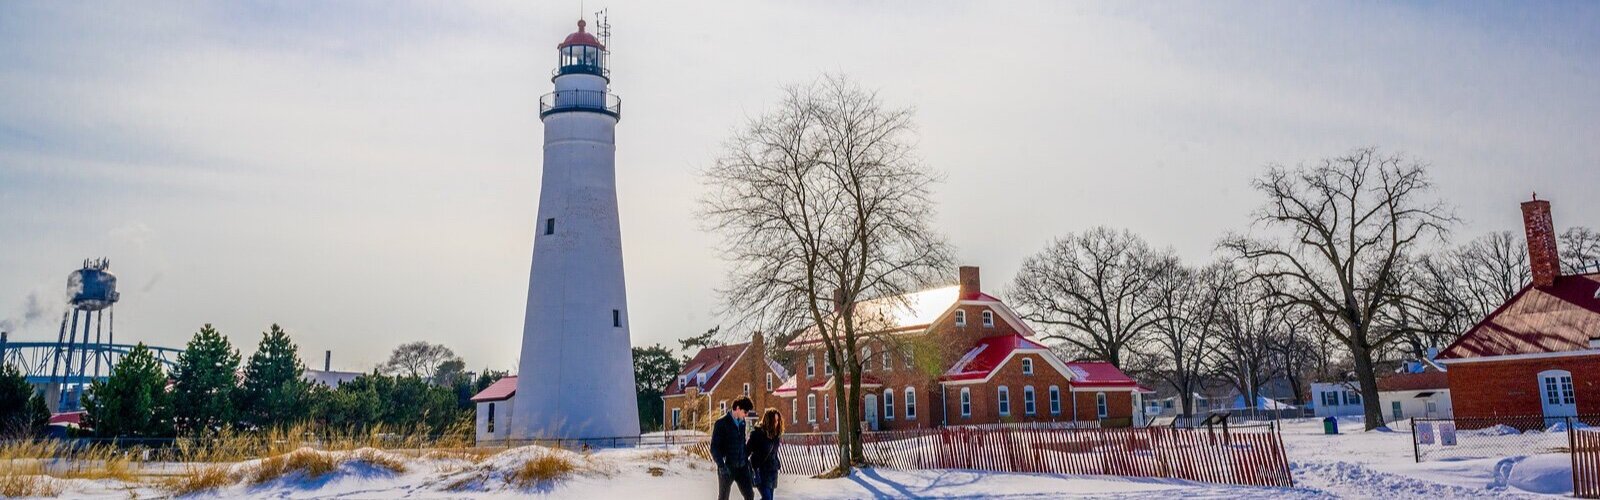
<point x="354" y="405"/>
<point x="654" y="368"/>
<point x="38" y="414"/>
<point x="133" y="401"/>
<point x="204" y="383"/>
<point x="274" y="394"/>
<point x="15" y="391"/>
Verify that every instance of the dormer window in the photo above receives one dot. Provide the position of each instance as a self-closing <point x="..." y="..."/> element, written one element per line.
<point x="988" y="319"/>
<point x="683" y="381"/>
<point x="700" y="379"/>
<point x="961" y="318"/>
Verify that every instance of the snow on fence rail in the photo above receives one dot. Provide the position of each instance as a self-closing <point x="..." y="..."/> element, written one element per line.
<point x="1249" y="455"/>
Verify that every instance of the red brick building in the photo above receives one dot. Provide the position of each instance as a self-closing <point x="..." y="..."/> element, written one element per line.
<point x="955" y="356"/>
<point x="1539" y="353"/>
<point x="714" y="377"/>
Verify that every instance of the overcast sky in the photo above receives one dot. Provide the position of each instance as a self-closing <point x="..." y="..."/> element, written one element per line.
<point x="366" y="173"/>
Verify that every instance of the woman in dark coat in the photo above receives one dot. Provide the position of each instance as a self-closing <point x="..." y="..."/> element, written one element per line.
<point x="763" y="449"/>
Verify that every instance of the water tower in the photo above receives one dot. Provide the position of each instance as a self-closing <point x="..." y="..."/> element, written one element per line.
<point x="92" y="291"/>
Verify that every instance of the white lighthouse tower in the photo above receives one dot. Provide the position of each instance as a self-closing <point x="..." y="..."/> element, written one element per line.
<point x="576" y="375"/>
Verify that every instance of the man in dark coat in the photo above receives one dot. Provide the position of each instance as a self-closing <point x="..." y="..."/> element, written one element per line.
<point x="728" y="451"/>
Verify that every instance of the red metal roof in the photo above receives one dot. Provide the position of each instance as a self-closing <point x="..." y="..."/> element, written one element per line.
<point x="1099" y="374"/>
<point x="713" y="361"/>
<point x="1414" y="381"/>
<point x="500" y="390"/>
<point x="987" y="355"/>
<point x="72" y="417"/>
<point x="580" y="38"/>
<point x="1558" y="318"/>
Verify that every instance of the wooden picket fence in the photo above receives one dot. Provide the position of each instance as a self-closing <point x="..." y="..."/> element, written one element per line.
<point x="1585" y="463"/>
<point x="1250" y="455"/>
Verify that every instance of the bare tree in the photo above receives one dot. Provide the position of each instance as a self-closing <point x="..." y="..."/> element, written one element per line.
<point x="1350" y="222"/>
<point x="1580" y="250"/>
<point x="820" y="203"/>
<point x="1187" y="303"/>
<point x="1088" y="291"/>
<point x="417" y="359"/>
<point x="1255" y="331"/>
<point x="1447" y="292"/>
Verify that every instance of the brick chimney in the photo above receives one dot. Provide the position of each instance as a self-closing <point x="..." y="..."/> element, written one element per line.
<point x="1542" y="256"/>
<point x="969" y="282"/>
<point x="838" y="300"/>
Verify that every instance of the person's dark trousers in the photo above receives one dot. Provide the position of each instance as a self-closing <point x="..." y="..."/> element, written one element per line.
<point x="766" y="481"/>
<point x="733" y="475"/>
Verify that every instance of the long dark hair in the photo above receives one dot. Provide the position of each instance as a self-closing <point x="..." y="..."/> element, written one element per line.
<point x="772" y="423"/>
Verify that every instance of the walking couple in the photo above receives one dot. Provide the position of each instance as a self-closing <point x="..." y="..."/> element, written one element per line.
<point x="746" y="462"/>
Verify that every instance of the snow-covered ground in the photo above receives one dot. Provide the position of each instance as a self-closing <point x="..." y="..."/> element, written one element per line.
<point x="1351" y="465"/>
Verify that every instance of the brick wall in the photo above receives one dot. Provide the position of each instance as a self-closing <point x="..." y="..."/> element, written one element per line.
<point x="1511" y="387"/>
<point x="750" y="368"/>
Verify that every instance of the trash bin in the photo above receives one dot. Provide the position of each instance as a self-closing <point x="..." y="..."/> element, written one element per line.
<point x="1330" y="425"/>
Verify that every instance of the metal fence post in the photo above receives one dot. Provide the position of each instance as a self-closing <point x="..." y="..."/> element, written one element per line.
<point x="1416" y="450"/>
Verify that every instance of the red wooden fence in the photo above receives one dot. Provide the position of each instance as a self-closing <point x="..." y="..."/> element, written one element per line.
<point x="1585" y="463"/>
<point x="1241" y="455"/>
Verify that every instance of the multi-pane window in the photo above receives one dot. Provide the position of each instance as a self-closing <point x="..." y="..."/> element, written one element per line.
<point x="811" y="365"/>
<point x="866" y="359"/>
<point x="811" y="408"/>
<point x="1027" y="400"/>
<point x="907" y="353"/>
<point x="1055" y="400"/>
<point x="1004" y="401"/>
<point x="961" y="318"/>
<point x="888" y="360"/>
<point x="911" y="403"/>
<point x="1352" y="398"/>
<point x="827" y="365"/>
<point x="1330" y="398"/>
<point x="825" y="417"/>
<point x="1027" y="366"/>
<point x="1100" y="404"/>
<point x="966" y="402"/>
<point x="747" y="389"/>
<point x="888" y="404"/>
<point x="988" y="318"/>
<point x="769" y="382"/>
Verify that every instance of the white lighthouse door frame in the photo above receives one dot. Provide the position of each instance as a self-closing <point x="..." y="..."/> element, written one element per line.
<point x="1556" y="395"/>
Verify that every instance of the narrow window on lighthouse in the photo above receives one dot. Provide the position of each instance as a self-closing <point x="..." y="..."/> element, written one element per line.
<point x="616" y="317"/>
<point x="550" y="226"/>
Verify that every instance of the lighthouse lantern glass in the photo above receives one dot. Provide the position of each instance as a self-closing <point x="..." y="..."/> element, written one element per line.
<point x="582" y="59"/>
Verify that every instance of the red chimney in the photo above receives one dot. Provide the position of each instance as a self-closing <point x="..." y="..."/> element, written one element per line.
<point x="1542" y="256"/>
<point x="969" y="282"/>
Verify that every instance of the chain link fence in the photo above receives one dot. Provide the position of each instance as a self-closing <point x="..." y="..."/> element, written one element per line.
<point x="1435" y="439"/>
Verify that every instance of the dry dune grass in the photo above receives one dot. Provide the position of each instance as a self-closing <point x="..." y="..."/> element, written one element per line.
<point x="26" y="479"/>
<point x="312" y="463"/>
<point x="198" y="479"/>
<point x="380" y="459"/>
<point x="542" y="470"/>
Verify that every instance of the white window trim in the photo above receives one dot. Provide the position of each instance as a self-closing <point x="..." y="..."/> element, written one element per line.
<point x="811" y="365"/>
<point x="811" y="408"/>
<point x="1102" y="407"/>
<point x="866" y="359"/>
<point x="988" y="318"/>
<point x="769" y="381"/>
<point x="1029" y="407"/>
<point x="911" y="403"/>
<point x="1003" y="400"/>
<point x="888" y="404"/>
<point x="888" y="360"/>
<point x="1027" y="366"/>
<point x="966" y="402"/>
<point x="747" y="389"/>
<point x="961" y="318"/>
<point x="677" y="413"/>
<point x="1055" y="400"/>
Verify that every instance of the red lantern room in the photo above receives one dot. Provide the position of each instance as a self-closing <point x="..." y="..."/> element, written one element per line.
<point x="582" y="53"/>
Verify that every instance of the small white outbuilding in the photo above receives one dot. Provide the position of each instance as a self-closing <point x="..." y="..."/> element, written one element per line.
<point x="495" y="409"/>
<point x="1415" y="395"/>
